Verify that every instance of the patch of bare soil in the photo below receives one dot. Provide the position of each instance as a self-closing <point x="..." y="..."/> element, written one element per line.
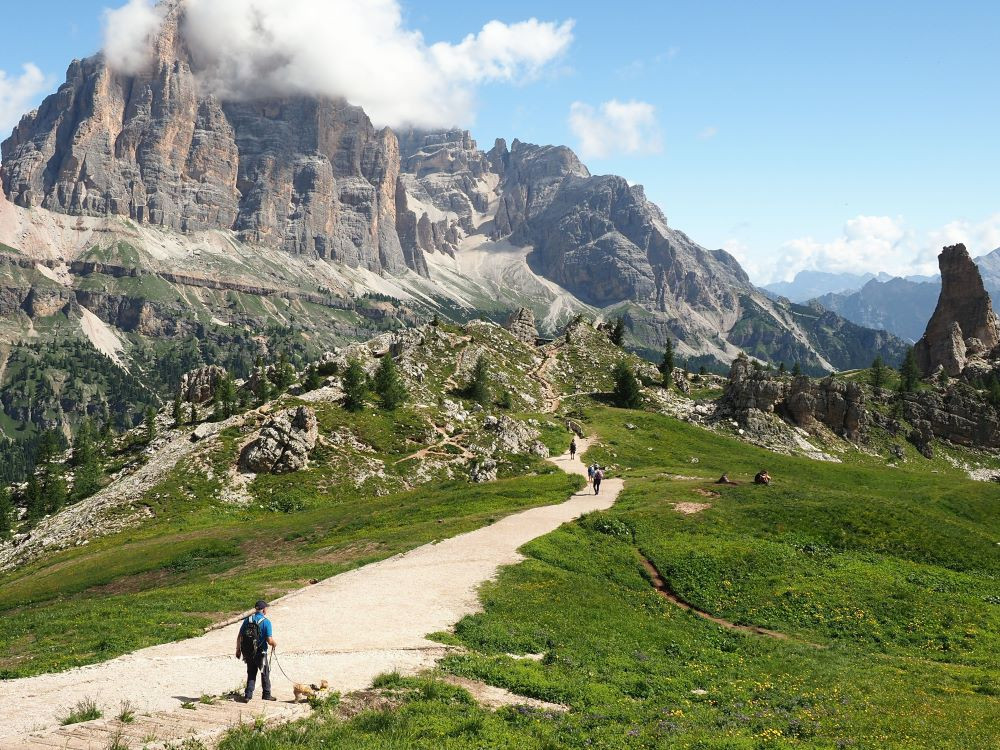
<point x="689" y="509"/>
<point x="360" y="701"/>
<point x="495" y="697"/>
<point x="706" y="493"/>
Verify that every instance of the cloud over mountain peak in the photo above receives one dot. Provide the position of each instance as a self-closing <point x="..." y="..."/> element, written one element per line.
<point x="357" y="49"/>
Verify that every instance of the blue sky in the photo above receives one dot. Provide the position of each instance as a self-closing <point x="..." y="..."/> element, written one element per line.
<point x="841" y="136"/>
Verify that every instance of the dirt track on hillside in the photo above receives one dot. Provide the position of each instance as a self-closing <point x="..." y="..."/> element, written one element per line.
<point x="347" y="629"/>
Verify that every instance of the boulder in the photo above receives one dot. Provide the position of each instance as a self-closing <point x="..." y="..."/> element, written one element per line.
<point x="284" y="443"/>
<point x="483" y="470"/>
<point x="513" y="436"/>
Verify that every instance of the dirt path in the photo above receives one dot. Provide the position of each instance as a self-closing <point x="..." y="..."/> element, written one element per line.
<point x="346" y="629"/>
<point x="550" y="397"/>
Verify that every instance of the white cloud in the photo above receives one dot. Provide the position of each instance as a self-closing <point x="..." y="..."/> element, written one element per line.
<point x="615" y="128"/>
<point x="128" y="34"/>
<point x="17" y="93"/>
<point x="358" y="49"/>
<point x="871" y="244"/>
<point x="707" y="133"/>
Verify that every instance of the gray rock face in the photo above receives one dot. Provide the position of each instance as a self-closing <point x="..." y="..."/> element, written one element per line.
<point x="522" y="324"/>
<point x="446" y="180"/>
<point x="307" y="175"/>
<point x="959" y="416"/>
<point x="600" y="238"/>
<point x="839" y="406"/>
<point x="964" y="316"/>
<point x="198" y="386"/>
<point x="284" y="443"/>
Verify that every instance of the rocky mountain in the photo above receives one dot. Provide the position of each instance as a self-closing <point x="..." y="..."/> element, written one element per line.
<point x="809" y="285"/>
<point x="138" y="212"/>
<point x="897" y="305"/>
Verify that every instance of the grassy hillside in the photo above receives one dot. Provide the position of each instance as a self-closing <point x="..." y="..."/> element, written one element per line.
<point x="884" y="582"/>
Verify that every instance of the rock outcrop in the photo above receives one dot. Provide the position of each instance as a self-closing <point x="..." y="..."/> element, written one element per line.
<point x="513" y="436"/>
<point x="284" y="443"/>
<point x="198" y="386"/>
<point x="522" y="325"/>
<point x="963" y="325"/>
<point x="837" y="405"/>
<point x="958" y="415"/>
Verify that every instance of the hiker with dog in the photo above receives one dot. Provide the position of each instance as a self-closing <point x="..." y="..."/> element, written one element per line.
<point x="255" y="635"/>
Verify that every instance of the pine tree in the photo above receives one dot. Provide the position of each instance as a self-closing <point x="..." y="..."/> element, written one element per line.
<point x="226" y="397"/>
<point x="150" y="423"/>
<point x="667" y="364"/>
<point x="194" y="413"/>
<point x="388" y="385"/>
<point x="313" y="379"/>
<point x="7" y="516"/>
<point x="87" y="478"/>
<point x="993" y="391"/>
<point x="877" y="374"/>
<point x="781" y="368"/>
<point x="33" y="498"/>
<point x="284" y="374"/>
<point x="796" y="369"/>
<point x="626" y="394"/>
<point x="478" y="387"/>
<point x="178" y="413"/>
<point x="355" y="384"/>
<point x="909" y="374"/>
<point x="83" y="444"/>
<point x="87" y="475"/>
<point x="617" y="334"/>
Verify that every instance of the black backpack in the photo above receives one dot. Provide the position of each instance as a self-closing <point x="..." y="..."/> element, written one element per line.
<point x="250" y="639"/>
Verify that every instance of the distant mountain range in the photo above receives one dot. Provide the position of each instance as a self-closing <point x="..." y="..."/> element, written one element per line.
<point x="810" y="285"/>
<point x="899" y="305"/>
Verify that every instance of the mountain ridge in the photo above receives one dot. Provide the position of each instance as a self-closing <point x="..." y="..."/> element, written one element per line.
<point x="302" y="200"/>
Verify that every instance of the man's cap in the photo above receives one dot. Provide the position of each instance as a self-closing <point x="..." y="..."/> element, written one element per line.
<point x="261" y="604"/>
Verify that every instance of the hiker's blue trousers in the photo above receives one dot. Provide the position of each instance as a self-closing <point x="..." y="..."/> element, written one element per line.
<point x="253" y="667"/>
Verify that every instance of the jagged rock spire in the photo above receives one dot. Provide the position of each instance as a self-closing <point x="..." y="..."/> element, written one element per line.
<point x="963" y="323"/>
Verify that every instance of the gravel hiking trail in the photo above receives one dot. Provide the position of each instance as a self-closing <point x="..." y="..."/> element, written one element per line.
<point x="347" y="629"/>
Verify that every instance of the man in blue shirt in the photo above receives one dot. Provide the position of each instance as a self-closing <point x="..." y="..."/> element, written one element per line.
<point x="259" y="662"/>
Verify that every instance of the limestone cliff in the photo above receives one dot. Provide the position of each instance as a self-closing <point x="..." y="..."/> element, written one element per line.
<point x="310" y="176"/>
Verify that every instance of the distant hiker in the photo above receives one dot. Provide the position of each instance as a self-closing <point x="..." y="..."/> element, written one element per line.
<point x="762" y="477"/>
<point x="251" y="645"/>
<point x="572" y="448"/>
<point x="590" y="473"/>
<point x="598" y="478"/>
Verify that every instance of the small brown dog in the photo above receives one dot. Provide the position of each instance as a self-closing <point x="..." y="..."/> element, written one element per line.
<point x="308" y="691"/>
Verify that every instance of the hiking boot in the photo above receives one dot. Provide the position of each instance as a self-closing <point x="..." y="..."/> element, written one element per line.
<point x="269" y="698"/>
<point x="241" y="699"/>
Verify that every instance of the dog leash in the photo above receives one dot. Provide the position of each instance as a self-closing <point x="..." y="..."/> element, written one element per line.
<point x="273" y="656"/>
